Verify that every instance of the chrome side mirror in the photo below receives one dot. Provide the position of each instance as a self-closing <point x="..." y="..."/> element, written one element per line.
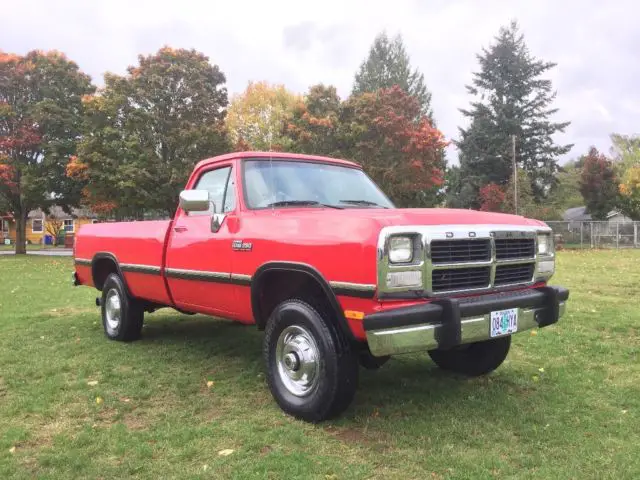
<point x="194" y="200"/>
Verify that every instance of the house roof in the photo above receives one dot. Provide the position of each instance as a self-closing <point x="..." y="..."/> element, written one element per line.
<point x="579" y="214"/>
<point x="576" y="214"/>
<point x="59" y="213"/>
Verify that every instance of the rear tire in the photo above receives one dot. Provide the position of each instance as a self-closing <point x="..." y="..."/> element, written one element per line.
<point x="312" y="371"/>
<point x="473" y="359"/>
<point x="122" y="316"/>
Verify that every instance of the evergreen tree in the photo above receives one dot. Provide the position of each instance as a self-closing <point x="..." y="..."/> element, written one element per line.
<point x="388" y="64"/>
<point x="511" y="98"/>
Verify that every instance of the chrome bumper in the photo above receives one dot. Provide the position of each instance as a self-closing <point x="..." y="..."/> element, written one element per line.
<point x="400" y="331"/>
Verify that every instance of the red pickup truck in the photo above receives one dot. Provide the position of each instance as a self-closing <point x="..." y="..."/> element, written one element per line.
<point x="310" y="250"/>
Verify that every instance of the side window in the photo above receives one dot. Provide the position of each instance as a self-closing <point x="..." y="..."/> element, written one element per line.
<point x="221" y="186"/>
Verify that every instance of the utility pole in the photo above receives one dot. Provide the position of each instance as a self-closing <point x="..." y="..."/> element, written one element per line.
<point x="515" y="173"/>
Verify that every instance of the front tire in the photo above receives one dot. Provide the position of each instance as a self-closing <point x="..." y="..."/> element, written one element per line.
<point x="312" y="371"/>
<point x="122" y="316"/>
<point x="473" y="359"/>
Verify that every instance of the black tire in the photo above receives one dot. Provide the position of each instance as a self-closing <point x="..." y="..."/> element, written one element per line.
<point x="131" y="312"/>
<point x="370" y="362"/>
<point x="336" y="368"/>
<point x="473" y="359"/>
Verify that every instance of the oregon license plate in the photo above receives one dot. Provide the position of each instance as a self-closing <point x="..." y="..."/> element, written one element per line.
<point x="504" y="322"/>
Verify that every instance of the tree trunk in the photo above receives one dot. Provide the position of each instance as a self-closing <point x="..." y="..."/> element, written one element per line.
<point x="21" y="233"/>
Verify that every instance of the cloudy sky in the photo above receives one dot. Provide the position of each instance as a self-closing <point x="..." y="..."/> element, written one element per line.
<point x="300" y="43"/>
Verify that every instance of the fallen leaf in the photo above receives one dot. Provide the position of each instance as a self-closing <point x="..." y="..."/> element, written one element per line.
<point x="99" y="400"/>
<point x="209" y="384"/>
<point x="541" y="370"/>
<point x="535" y="378"/>
<point x="12" y="450"/>
<point x="205" y="467"/>
<point x="624" y="411"/>
<point x="42" y="337"/>
<point x="92" y="383"/>
<point x="226" y="452"/>
<point x="534" y="333"/>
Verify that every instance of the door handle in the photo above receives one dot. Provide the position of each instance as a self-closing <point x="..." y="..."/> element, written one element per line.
<point x="180" y="229"/>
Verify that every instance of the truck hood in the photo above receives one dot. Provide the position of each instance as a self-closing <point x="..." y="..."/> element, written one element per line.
<point x="446" y="216"/>
<point x="416" y="216"/>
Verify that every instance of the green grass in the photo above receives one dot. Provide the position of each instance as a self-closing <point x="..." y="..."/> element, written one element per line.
<point x="566" y="404"/>
<point x="35" y="246"/>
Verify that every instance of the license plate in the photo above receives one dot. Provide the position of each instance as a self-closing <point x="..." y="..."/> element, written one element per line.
<point x="504" y="322"/>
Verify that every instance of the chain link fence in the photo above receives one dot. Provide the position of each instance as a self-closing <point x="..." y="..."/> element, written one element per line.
<point x="592" y="234"/>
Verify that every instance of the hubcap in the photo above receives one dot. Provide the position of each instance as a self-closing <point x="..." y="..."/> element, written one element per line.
<point x="113" y="310"/>
<point x="298" y="361"/>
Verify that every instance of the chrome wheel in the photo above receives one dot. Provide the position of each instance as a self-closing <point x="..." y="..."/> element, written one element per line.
<point x="113" y="310"/>
<point x="298" y="360"/>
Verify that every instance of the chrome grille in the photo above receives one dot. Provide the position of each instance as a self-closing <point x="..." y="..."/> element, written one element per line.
<point x="460" y="251"/>
<point x="460" y="278"/>
<point x="510" y="274"/>
<point x="512" y="248"/>
<point x="458" y="258"/>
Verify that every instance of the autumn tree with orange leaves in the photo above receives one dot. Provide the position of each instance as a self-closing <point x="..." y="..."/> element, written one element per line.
<point x="397" y="146"/>
<point x="40" y="122"/>
<point x="314" y="121"/>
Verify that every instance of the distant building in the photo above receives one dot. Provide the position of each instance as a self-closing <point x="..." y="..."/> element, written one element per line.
<point x="40" y="224"/>
<point x="579" y="214"/>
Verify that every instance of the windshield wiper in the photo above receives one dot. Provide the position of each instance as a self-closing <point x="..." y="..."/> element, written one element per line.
<point x="292" y="203"/>
<point x="363" y="202"/>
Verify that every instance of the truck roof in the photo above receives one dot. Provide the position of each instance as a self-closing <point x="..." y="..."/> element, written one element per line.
<point x="275" y="155"/>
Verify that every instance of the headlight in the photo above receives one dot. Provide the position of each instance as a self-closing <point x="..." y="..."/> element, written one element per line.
<point x="400" y="249"/>
<point x="545" y="244"/>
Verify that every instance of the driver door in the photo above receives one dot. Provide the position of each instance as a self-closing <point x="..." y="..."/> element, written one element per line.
<point x="198" y="264"/>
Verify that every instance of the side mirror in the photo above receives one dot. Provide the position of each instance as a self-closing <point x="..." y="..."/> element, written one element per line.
<point x="194" y="200"/>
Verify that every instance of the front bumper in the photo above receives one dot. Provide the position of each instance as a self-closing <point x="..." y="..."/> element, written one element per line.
<point x="445" y="323"/>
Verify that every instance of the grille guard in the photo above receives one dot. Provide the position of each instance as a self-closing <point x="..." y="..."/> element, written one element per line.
<point x="449" y="322"/>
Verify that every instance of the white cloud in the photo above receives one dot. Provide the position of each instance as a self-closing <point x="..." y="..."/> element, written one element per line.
<point x="301" y="43"/>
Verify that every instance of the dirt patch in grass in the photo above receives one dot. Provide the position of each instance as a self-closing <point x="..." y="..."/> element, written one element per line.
<point x="68" y="311"/>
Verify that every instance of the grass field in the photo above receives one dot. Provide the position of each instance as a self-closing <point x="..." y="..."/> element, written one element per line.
<point x="566" y="404"/>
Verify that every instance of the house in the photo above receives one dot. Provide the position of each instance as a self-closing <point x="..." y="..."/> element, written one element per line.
<point x="577" y="215"/>
<point x="40" y="224"/>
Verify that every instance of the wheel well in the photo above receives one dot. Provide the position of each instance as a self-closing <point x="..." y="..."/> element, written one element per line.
<point x="273" y="286"/>
<point x="101" y="268"/>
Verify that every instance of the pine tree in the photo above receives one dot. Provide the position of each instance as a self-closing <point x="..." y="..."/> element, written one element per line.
<point x="388" y="64"/>
<point x="511" y="99"/>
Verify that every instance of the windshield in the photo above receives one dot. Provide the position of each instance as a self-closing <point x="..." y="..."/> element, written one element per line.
<point x="284" y="183"/>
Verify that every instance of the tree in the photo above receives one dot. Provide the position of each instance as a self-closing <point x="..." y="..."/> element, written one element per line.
<point x="256" y="118"/>
<point x="40" y="121"/>
<point x="492" y="197"/>
<point x="566" y="191"/>
<point x="313" y="125"/>
<point x="388" y="64"/>
<point x="629" y="202"/>
<point x="598" y="184"/>
<point x="53" y="226"/>
<point x="626" y="151"/>
<point x="510" y="98"/>
<point x="146" y="130"/>
<point x="402" y="154"/>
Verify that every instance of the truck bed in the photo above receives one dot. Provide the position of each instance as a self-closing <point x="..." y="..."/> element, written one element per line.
<point x="136" y="246"/>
